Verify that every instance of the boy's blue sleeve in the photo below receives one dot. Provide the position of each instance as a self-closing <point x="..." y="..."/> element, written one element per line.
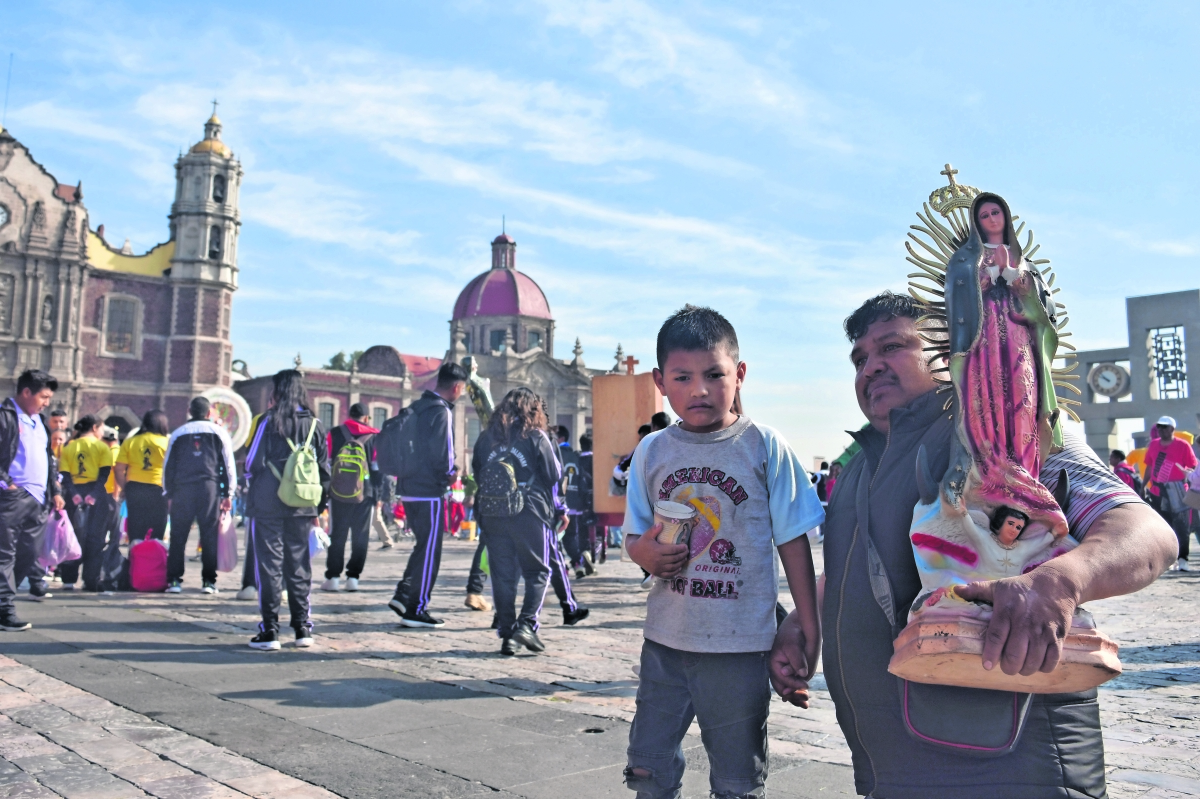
<point x="639" y="509"/>
<point x="792" y="498"/>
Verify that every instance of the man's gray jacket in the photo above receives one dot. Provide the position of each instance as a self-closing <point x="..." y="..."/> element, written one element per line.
<point x="1060" y="753"/>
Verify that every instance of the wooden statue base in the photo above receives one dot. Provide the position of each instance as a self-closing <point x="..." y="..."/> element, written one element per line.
<point x="949" y="651"/>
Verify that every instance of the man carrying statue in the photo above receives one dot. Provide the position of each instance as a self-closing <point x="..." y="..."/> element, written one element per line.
<point x="1123" y="545"/>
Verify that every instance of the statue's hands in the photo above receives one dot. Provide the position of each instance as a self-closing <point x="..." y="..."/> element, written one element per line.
<point x="1031" y="617"/>
<point x="787" y="664"/>
<point x="661" y="560"/>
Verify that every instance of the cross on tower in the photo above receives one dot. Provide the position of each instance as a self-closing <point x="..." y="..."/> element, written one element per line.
<point x="629" y="363"/>
<point x="949" y="172"/>
<point x="215" y="104"/>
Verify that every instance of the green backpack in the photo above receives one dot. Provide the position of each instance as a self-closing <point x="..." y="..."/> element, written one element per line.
<point x="300" y="483"/>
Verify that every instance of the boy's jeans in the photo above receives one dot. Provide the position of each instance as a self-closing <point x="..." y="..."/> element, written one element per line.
<point x="729" y="694"/>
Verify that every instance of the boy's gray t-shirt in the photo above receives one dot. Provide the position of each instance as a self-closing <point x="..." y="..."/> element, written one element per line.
<point x="750" y="492"/>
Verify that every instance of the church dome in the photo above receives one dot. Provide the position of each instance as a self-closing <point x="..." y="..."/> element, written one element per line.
<point x="502" y="290"/>
<point x="211" y="143"/>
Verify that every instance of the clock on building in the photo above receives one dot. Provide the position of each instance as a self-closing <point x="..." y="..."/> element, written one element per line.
<point x="1109" y="380"/>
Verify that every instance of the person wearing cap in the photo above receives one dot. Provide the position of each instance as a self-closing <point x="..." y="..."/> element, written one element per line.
<point x="1169" y="463"/>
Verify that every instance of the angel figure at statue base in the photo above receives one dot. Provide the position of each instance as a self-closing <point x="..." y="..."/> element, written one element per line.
<point x="990" y="516"/>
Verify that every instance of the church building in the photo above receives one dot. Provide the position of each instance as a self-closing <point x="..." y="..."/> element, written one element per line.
<point x="122" y="333"/>
<point x="502" y="321"/>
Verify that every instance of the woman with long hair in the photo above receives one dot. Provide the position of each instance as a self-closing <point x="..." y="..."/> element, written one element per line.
<point x="87" y="459"/>
<point x="277" y="532"/>
<point x="139" y="472"/>
<point x="517" y="470"/>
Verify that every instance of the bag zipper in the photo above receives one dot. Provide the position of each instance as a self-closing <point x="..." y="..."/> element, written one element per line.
<point x="841" y="609"/>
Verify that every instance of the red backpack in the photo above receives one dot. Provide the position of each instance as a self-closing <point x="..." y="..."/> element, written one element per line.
<point x="148" y="566"/>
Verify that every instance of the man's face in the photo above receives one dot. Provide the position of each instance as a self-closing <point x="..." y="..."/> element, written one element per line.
<point x="1165" y="432"/>
<point x="890" y="368"/>
<point x="456" y="391"/>
<point x="58" y="423"/>
<point x="32" y="402"/>
<point x="1114" y="460"/>
<point x="701" y="385"/>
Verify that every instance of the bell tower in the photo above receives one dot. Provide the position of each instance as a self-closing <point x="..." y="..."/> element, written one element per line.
<point x="204" y="226"/>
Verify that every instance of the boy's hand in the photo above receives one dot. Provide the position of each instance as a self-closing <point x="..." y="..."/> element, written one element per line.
<point x="661" y="560"/>
<point x="787" y="663"/>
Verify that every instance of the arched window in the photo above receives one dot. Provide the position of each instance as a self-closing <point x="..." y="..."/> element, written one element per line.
<point x="219" y="189"/>
<point x="215" y="236"/>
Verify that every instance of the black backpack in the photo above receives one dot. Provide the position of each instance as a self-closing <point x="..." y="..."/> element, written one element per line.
<point x="395" y="444"/>
<point x="499" y="492"/>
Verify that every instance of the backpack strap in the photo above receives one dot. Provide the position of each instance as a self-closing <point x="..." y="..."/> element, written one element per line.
<point x="312" y="427"/>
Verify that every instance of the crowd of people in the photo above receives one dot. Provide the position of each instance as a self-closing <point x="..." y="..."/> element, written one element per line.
<point x="716" y="638"/>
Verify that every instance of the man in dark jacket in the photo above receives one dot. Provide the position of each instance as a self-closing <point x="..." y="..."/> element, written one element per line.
<point x="28" y="486"/>
<point x="198" y="478"/>
<point x="349" y="518"/>
<point x="871" y="580"/>
<point x="422" y="487"/>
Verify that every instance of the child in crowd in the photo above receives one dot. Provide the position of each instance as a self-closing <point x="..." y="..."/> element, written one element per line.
<point x="710" y="617"/>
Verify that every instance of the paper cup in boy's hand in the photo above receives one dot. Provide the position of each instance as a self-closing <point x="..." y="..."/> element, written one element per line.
<point x="677" y="521"/>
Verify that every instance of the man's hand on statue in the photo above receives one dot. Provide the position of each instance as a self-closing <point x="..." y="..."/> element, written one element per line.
<point x="661" y="560"/>
<point x="1031" y="616"/>
<point x="787" y="664"/>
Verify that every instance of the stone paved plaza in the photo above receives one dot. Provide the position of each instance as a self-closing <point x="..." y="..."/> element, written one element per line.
<point x="157" y="695"/>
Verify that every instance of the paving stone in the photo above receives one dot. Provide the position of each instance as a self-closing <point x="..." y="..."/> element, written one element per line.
<point x="193" y="786"/>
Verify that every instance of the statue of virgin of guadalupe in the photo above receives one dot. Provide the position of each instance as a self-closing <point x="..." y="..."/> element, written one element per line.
<point x="996" y="327"/>
<point x="1003" y="338"/>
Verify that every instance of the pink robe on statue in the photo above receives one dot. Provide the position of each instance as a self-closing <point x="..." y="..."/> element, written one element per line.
<point x="1001" y="398"/>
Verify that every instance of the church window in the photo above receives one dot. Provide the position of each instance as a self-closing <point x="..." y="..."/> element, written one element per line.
<point x="121" y="322"/>
<point x="467" y="341"/>
<point x="325" y="411"/>
<point x="497" y="340"/>
<point x="535" y="338"/>
<point x="215" y="236"/>
<point x="379" y="415"/>
<point x="219" y="189"/>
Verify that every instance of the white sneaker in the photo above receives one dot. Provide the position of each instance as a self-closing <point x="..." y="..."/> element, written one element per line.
<point x="247" y="594"/>
<point x="330" y="585"/>
<point x="304" y="638"/>
<point x="351" y="583"/>
<point x="1184" y="566"/>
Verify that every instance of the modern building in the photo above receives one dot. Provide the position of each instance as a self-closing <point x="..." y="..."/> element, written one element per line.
<point x="123" y="333"/>
<point x="1147" y="379"/>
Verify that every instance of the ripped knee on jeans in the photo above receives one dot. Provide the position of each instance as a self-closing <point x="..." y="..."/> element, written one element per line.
<point x="638" y="778"/>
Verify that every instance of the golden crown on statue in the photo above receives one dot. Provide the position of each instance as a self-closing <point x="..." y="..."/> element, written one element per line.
<point x="947" y="198"/>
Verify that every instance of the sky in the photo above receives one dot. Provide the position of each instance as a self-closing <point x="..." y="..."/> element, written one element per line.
<point x="765" y="159"/>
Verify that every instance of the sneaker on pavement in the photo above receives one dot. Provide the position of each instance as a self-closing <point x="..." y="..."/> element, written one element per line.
<point x="580" y="573"/>
<point x="1184" y="566"/>
<point x="508" y="647"/>
<point x="478" y="602"/>
<point x="209" y="588"/>
<point x="419" y="620"/>
<point x="67" y="587"/>
<point x="330" y="584"/>
<point x="13" y="624"/>
<point x="266" y="642"/>
<point x="386" y="545"/>
<point x="528" y="638"/>
<point x="175" y="587"/>
<point x="397" y="604"/>
<point x="351" y="583"/>
<point x="248" y="594"/>
<point x="38" y="591"/>
<point x="588" y="566"/>
<point x="571" y="618"/>
<point x="304" y="637"/>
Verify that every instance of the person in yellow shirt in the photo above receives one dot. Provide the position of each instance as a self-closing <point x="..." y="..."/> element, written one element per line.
<point x="139" y="469"/>
<point x="88" y="460"/>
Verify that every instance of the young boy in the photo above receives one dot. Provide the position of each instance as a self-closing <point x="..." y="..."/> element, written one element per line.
<point x="710" y="617"/>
